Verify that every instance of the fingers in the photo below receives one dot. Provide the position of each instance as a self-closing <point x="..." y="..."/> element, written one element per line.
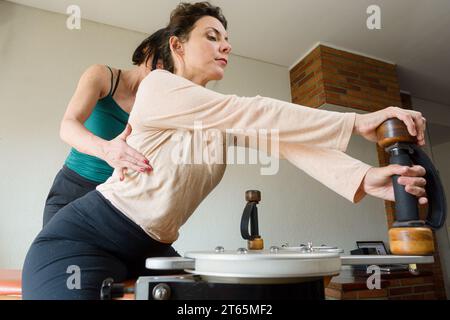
<point x="120" y="152"/>
<point x="413" y="120"/>
<point x="395" y="169"/>
<point x="415" y="191"/>
<point x="415" y="171"/>
<point x="419" y="122"/>
<point x="419" y="182"/>
<point x="424" y="124"/>
<point x="121" y="174"/>
<point x="414" y="183"/>
<point x="408" y="120"/>
<point x="423" y="200"/>
<point x="405" y="117"/>
<point x="131" y="163"/>
<point x="138" y="158"/>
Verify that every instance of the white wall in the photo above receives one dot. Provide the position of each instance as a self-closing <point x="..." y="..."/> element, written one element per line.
<point x="40" y="63"/>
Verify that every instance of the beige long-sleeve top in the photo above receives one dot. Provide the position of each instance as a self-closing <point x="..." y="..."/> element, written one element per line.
<point x="168" y="107"/>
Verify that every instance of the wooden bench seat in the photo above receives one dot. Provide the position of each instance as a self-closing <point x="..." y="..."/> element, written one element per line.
<point x="11" y="285"/>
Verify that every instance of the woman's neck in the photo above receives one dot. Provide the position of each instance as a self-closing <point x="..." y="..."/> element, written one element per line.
<point x="133" y="77"/>
<point x="192" y="76"/>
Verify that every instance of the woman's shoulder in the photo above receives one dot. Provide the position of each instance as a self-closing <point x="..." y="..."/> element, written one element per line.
<point x="158" y="73"/>
<point x="100" y="75"/>
<point x="164" y="77"/>
<point x="99" y="70"/>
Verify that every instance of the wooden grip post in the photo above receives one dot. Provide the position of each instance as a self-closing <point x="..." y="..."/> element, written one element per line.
<point x="393" y="131"/>
<point x="404" y="240"/>
<point x="411" y="241"/>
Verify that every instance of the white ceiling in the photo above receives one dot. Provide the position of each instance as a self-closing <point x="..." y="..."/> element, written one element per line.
<point x="415" y="34"/>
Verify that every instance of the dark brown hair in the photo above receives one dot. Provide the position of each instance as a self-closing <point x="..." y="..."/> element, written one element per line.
<point x="182" y="21"/>
<point x="150" y="46"/>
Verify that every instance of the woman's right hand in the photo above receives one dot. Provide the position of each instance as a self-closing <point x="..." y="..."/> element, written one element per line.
<point x="119" y="155"/>
<point x="367" y="124"/>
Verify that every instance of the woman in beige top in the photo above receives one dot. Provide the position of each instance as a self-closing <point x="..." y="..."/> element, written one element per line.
<point x="140" y="217"/>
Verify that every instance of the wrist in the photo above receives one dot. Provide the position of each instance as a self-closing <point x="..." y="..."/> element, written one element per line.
<point x="356" y="125"/>
<point x="363" y="189"/>
<point x="361" y="192"/>
<point x="102" y="147"/>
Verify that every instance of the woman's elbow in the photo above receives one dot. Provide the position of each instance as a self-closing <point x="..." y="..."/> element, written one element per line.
<point x="63" y="130"/>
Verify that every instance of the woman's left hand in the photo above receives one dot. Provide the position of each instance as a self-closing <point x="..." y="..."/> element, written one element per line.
<point x="366" y="124"/>
<point x="378" y="181"/>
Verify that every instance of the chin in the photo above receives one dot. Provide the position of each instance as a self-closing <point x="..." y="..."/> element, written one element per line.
<point x="218" y="75"/>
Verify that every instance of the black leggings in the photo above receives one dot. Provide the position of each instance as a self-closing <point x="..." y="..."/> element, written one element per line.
<point x="92" y="236"/>
<point x="67" y="187"/>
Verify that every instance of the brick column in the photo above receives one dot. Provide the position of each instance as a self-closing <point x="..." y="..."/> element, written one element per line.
<point x="334" y="76"/>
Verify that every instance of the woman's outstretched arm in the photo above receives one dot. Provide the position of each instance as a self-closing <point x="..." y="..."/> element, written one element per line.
<point x="165" y="100"/>
<point x="311" y="139"/>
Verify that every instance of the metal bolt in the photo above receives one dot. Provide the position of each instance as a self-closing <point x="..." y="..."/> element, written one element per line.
<point x="242" y="251"/>
<point x="219" y="249"/>
<point x="306" y="248"/>
<point x="161" y="292"/>
<point x="274" y="249"/>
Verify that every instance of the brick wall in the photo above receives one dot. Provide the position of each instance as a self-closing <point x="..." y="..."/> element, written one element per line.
<point x="328" y="75"/>
<point x="401" y="286"/>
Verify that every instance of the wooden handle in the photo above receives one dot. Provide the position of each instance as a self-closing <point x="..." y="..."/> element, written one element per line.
<point x="255" y="244"/>
<point x="253" y="196"/>
<point x="411" y="241"/>
<point x="392" y="131"/>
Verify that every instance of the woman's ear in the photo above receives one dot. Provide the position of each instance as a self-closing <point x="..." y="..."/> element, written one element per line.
<point x="160" y="64"/>
<point x="176" y="45"/>
<point x="148" y="64"/>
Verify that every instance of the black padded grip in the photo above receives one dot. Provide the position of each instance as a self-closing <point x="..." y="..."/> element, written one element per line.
<point x="250" y="218"/>
<point x="405" y="203"/>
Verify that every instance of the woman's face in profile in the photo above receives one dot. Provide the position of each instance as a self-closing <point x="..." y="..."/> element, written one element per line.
<point x="206" y="52"/>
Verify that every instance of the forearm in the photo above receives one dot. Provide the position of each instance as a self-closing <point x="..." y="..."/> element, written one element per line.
<point x="296" y="123"/>
<point x="77" y="136"/>
<point x="333" y="168"/>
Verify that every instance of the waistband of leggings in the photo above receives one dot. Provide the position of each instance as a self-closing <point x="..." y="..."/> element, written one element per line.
<point x="137" y="230"/>
<point x="69" y="173"/>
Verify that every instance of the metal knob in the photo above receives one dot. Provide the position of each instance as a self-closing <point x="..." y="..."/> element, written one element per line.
<point x="242" y="251"/>
<point x="110" y="290"/>
<point x="219" y="249"/>
<point x="307" y="248"/>
<point x="274" y="249"/>
<point x="253" y="196"/>
<point x="161" y="292"/>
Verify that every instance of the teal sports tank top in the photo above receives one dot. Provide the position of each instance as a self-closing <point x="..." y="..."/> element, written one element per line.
<point x="106" y="121"/>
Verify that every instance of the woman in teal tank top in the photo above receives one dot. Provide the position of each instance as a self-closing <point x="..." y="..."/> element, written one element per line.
<point x="95" y="125"/>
